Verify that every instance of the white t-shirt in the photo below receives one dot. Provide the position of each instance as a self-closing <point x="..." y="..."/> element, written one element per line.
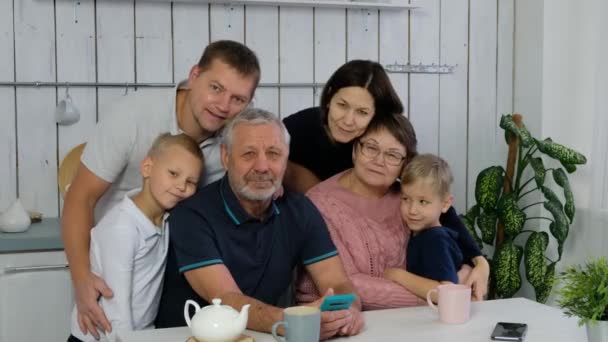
<point x="129" y="252"/>
<point x="123" y="137"/>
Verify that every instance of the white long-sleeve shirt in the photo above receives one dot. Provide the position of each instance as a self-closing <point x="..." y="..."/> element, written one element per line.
<point x="129" y="253"/>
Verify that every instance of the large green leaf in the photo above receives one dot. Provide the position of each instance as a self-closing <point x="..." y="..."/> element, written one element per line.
<point x="542" y="292"/>
<point x="562" y="153"/>
<point x="506" y="269"/>
<point x="511" y="215"/>
<point x="569" y="167"/>
<point x="539" y="171"/>
<point x="559" y="226"/>
<point x="487" y="225"/>
<point x="509" y="136"/>
<point x="507" y="123"/>
<point x="551" y="196"/>
<point x="534" y="258"/>
<point x="488" y="187"/>
<point x="569" y="207"/>
<point x="561" y="179"/>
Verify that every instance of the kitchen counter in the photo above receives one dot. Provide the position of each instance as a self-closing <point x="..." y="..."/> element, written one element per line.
<point x="41" y="236"/>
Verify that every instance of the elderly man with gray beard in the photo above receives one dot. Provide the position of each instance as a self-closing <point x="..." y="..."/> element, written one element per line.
<point x="233" y="241"/>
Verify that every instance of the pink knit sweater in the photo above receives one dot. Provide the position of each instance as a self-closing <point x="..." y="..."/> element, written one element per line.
<point x="370" y="237"/>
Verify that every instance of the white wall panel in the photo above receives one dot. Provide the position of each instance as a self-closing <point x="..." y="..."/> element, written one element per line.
<point x="329" y="45"/>
<point x="394" y="48"/>
<point x="8" y="136"/>
<point x="295" y="58"/>
<point x="227" y="22"/>
<point x="76" y="63"/>
<point x="424" y="88"/>
<point x="153" y="53"/>
<point x="453" y="95"/>
<point x="37" y="150"/>
<point x="483" y="124"/>
<point x="262" y="36"/>
<point x="504" y="60"/>
<point x="115" y="49"/>
<point x="190" y="36"/>
<point x="362" y="32"/>
<point x="154" y="60"/>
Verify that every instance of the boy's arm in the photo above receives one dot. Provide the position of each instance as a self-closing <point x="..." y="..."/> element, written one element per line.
<point x="77" y="220"/>
<point x="420" y="286"/>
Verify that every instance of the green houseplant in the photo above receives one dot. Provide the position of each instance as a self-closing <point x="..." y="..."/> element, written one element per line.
<point x="500" y="216"/>
<point x="584" y="294"/>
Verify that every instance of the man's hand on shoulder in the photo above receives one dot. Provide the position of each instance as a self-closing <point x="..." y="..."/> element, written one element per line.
<point x="91" y="318"/>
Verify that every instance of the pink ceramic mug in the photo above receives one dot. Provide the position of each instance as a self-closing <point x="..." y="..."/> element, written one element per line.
<point x="453" y="303"/>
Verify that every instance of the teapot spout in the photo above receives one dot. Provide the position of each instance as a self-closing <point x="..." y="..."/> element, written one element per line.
<point x="243" y="317"/>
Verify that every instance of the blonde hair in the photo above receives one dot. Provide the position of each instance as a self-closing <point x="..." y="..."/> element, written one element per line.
<point x="429" y="167"/>
<point x="166" y="140"/>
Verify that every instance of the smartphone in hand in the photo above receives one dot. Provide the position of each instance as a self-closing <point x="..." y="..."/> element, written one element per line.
<point x="338" y="302"/>
<point x="504" y="331"/>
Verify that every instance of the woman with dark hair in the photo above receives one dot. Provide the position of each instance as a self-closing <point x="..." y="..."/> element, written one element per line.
<point x="322" y="137"/>
<point x="357" y="94"/>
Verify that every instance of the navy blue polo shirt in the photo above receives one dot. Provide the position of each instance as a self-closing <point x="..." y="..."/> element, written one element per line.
<point x="434" y="254"/>
<point x="212" y="227"/>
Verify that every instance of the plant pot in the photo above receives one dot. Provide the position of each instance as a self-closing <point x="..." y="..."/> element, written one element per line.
<point x="597" y="331"/>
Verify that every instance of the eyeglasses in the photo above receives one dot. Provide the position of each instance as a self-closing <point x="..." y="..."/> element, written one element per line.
<point x="372" y="151"/>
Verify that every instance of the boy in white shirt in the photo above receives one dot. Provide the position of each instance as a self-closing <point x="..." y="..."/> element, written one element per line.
<point x="129" y="245"/>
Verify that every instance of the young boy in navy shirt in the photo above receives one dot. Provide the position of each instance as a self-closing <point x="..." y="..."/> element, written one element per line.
<point x="129" y="244"/>
<point x="433" y="255"/>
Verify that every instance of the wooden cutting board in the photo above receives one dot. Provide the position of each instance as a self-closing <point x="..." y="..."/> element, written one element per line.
<point x="243" y="338"/>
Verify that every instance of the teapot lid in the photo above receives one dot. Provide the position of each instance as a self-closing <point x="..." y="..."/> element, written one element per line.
<point x="218" y="314"/>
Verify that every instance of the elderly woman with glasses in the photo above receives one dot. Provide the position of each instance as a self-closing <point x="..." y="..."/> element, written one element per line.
<point x="361" y="208"/>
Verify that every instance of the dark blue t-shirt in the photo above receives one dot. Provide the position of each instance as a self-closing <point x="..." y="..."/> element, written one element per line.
<point x="434" y="254"/>
<point x="212" y="227"/>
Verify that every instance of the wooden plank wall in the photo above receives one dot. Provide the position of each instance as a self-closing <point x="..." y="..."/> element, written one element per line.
<point x="455" y="115"/>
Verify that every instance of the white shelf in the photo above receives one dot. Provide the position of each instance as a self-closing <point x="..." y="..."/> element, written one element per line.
<point x="371" y="4"/>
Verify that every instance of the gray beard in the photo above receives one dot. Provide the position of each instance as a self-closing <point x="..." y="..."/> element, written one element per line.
<point x="259" y="195"/>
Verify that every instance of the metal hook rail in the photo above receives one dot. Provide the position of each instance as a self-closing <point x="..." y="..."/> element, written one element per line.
<point x="136" y="85"/>
<point x="420" y="68"/>
<point x="390" y="68"/>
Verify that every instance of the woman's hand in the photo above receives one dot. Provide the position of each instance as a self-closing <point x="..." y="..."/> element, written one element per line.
<point x="478" y="278"/>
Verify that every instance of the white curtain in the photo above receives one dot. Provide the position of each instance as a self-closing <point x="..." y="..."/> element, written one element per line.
<point x="599" y="192"/>
<point x="593" y="218"/>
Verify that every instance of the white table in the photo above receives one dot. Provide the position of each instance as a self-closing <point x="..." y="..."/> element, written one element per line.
<point x="545" y="323"/>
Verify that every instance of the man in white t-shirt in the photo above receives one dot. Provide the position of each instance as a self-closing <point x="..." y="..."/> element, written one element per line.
<point x="220" y="86"/>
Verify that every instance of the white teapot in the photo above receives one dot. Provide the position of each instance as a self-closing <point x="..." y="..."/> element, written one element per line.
<point x="15" y="219"/>
<point x="216" y="323"/>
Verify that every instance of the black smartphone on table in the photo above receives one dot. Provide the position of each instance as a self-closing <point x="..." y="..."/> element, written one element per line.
<point x="505" y="331"/>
